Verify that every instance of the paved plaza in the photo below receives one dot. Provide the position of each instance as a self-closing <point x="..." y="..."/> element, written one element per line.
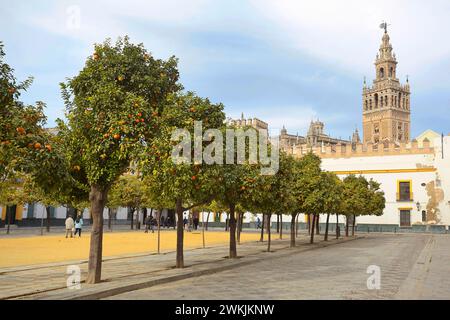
<point x="412" y="267"/>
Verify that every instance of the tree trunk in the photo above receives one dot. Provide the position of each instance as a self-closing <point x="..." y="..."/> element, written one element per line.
<point x="278" y="223"/>
<point x="233" y="251"/>
<point x="326" y="228"/>
<point x="203" y="229"/>
<point x="47" y="209"/>
<point x="159" y="231"/>
<point x="132" y="218"/>
<point x="207" y="220"/>
<point x="109" y="219"/>
<point x="239" y="221"/>
<point x="346" y="226"/>
<point x="312" y="231"/>
<point x="309" y="223"/>
<point x="293" y="216"/>
<point x="180" y="235"/>
<point x="337" y="226"/>
<point x="353" y="226"/>
<point x="227" y="221"/>
<point x="42" y="223"/>
<point x="261" y="239"/>
<point x="281" y="226"/>
<point x="144" y="215"/>
<point x="8" y="212"/>
<point x="242" y="221"/>
<point x="97" y="197"/>
<point x="138" y="220"/>
<point x="296" y="225"/>
<point x="268" y="234"/>
<point x="317" y="224"/>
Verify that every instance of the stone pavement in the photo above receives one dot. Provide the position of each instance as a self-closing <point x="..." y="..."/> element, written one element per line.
<point x="137" y="271"/>
<point x="429" y="277"/>
<point x="334" y="272"/>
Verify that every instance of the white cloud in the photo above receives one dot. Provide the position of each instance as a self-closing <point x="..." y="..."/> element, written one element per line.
<point x="347" y="34"/>
<point x="101" y="19"/>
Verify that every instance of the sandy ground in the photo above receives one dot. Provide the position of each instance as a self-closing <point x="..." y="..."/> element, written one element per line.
<point x="20" y="251"/>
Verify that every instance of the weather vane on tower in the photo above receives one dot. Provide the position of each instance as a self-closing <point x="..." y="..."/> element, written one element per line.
<point x="384" y="26"/>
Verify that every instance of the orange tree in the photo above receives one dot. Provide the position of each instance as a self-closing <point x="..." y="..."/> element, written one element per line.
<point x="235" y="182"/>
<point x="112" y="110"/>
<point x="27" y="150"/>
<point x="307" y="177"/>
<point x="272" y="194"/>
<point x="331" y="187"/>
<point x="24" y="143"/>
<point x="355" y="198"/>
<point x="376" y="201"/>
<point x="183" y="184"/>
<point x="287" y="203"/>
<point x="263" y="199"/>
<point x="324" y="197"/>
<point x="128" y="191"/>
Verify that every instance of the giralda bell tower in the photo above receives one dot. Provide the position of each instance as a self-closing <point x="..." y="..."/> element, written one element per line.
<point x="386" y="104"/>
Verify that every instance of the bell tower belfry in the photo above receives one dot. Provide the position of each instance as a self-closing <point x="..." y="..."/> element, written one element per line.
<point x="386" y="104"/>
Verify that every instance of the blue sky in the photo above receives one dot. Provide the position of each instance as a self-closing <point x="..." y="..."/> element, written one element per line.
<point x="284" y="62"/>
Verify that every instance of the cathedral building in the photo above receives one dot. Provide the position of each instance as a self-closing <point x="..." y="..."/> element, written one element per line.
<point x="315" y="137"/>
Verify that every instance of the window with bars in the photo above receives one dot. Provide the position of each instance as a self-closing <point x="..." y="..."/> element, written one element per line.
<point x="404" y="191"/>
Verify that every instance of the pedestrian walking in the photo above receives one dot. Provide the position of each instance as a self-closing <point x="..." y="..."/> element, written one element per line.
<point x="147" y="222"/>
<point x="69" y="226"/>
<point x="78" y="226"/>
<point x="152" y="224"/>
<point x="258" y="223"/>
<point x="196" y="222"/>
<point x="185" y="222"/>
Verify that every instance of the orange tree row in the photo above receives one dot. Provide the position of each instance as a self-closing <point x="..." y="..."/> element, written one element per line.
<point x="122" y="109"/>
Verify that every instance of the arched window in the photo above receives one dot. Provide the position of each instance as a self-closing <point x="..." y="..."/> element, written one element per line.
<point x="367" y="105"/>
<point x="370" y="104"/>
<point x="381" y="73"/>
<point x="386" y="100"/>
<point x="382" y="102"/>
<point x="391" y="72"/>
<point x="399" y="99"/>
<point x="376" y="100"/>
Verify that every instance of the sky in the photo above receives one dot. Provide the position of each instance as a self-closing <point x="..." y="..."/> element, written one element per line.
<point x="285" y="62"/>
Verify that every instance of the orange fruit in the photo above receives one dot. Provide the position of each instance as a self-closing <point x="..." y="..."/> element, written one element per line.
<point x="116" y="136"/>
<point x="37" y="145"/>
